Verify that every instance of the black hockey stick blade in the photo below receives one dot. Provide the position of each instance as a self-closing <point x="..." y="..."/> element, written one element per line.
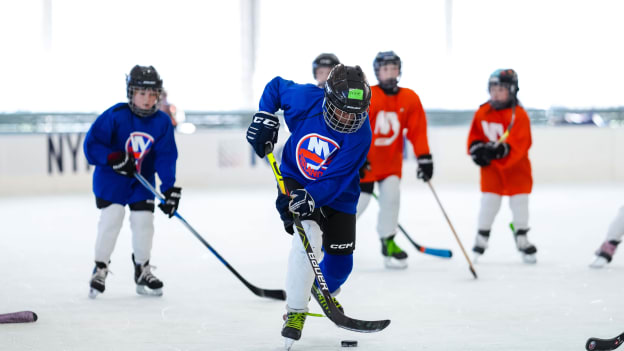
<point x="341" y="320"/>
<point x="273" y="294"/>
<point x="596" y="344"/>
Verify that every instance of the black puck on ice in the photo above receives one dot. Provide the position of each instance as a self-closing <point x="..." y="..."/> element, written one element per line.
<point x="348" y="343"/>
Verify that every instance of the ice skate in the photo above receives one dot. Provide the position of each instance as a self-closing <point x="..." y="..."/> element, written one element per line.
<point x="394" y="257"/>
<point x="527" y="249"/>
<point x="100" y="272"/>
<point x="291" y="331"/>
<point x="604" y="254"/>
<point x="147" y="283"/>
<point x="481" y="244"/>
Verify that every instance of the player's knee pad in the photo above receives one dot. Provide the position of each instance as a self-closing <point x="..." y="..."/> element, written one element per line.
<point x="142" y="226"/>
<point x="336" y="269"/>
<point x="389" y="203"/>
<point x="490" y="204"/>
<point x="519" y="205"/>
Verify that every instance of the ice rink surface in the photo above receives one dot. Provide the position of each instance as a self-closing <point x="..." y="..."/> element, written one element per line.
<point x="46" y="258"/>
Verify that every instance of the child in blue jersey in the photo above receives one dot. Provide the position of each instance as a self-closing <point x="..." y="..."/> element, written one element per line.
<point x="329" y="140"/>
<point x="127" y="138"/>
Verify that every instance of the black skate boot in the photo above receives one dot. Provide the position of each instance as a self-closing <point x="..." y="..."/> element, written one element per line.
<point x="394" y="256"/>
<point x="291" y="331"/>
<point x="100" y="272"/>
<point x="605" y="253"/>
<point x="527" y="249"/>
<point x="147" y="283"/>
<point x="481" y="243"/>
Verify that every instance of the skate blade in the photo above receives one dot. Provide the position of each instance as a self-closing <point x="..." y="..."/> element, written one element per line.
<point x="145" y="291"/>
<point x="529" y="259"/>
<point x="393" y="263"/>
<point x="93" y="293"/>
<point x="599" y="262"/>
<point x="288" y="343"/>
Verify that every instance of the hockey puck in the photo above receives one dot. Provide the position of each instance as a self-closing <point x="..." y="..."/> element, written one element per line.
<point x="348" y="343"/>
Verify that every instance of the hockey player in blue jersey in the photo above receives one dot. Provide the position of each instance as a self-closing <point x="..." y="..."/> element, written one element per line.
<point x="127" y="138"/>
<point x="329" y="140"/>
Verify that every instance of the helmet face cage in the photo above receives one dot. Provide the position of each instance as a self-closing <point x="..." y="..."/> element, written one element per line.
<point x="347" y="98"/>
<point x="341" y="121"/>
<point x="143" y="78"/>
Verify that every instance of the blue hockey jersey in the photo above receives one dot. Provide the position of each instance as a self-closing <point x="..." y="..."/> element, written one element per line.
<point x="151" y="141"/>
<point x="324" y="161"/>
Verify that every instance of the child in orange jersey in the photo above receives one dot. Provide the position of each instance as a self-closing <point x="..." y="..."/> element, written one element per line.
<point x="499" y="142"/>
<point x="393" y="109"/>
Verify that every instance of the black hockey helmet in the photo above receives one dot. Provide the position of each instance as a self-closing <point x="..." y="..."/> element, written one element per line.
<point x="324" y="60"/>
<point x="507" y="78"/>
<point x="143" y="77"/>
<point x="385" y="58"/>
<point x="347" y="97"/>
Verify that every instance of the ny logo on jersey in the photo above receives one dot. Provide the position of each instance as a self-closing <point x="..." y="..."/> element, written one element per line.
<point x="492" y="131"/>
<point x="139" y="144"/>
<point x="314" y="154"/>
<point x="386" y="122"/>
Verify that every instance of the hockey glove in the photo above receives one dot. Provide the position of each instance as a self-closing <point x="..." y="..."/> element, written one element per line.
<point x="480" y="154"/>
<point x="172" y="200"/>
<point x="281" y="203"/>
<point x="263" y="132"/>
<point x="365" y="168"/>
<point x="425" y="167"/>
<point x="302" y="203"/>
<point x="497" y="150"/>
<point x="122" y="163"/>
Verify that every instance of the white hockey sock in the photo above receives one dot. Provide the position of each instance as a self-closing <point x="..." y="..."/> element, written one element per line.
<point x="142" y="226"/>
<point x="519" y="205"/>
<point x="299" y="277"/>
<point x="109" y="225"/>
<point x="389" y="202"/>
<point x="490" y="204"/>
<point x="616" y="228"/>
<point x="363" y="203"/>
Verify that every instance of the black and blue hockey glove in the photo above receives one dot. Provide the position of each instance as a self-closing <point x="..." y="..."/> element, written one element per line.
<point x="302" y="203"/>
<point x="281" y="204"/>
<point x="262" y="132"/>
<point x="425" y="167"/>
<point x="172" y="200"/>
<point x="122" y="163"/>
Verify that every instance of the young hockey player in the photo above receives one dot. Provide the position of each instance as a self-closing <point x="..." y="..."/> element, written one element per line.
<point x="127" y="138"/>
<point x="321" y="66"/>
<point x="393" y="109"/>
<point x="499" y="142"/>
<point x="329" y="141"/>
<point x="605" y="252"/>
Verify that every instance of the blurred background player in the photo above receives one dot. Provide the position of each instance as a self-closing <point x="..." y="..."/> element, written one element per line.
<point x="321" y="66"/>
<point x="605" y="252"/>
<point x="127" y="138"/>
<point x="393" y="109"/>
<point x="166" y="107"/>
<point x="329" y="141"/>
<point x="499" y="142"/>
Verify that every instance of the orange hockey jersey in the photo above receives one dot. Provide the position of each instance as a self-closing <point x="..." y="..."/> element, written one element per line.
<point x="510" y="175"/>
<point x="389" y="116"/>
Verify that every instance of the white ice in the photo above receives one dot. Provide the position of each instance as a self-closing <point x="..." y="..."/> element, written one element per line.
<point x="46" y="253"/>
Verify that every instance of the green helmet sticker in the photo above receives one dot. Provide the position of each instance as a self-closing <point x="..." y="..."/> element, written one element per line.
<point x="356" y="94"/>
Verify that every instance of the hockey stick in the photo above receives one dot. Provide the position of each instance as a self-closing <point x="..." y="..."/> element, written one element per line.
<point x="596" y="344"/>
<point x="472" y="270"/>
<point x="513" y="120"/>
<point x="327" y="303"/>
<point x="426" y="250"/>
<point x="273" y="294"/>
<point x="18" y="317"/>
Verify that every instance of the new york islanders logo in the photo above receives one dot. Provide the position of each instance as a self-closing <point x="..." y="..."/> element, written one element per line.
<point x="314" y="154"/>
<point x="139" y="144"/>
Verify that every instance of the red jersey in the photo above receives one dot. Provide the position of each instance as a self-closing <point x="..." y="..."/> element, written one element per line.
<point x="510" y="175"/>
<point x="390" y="116"/>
